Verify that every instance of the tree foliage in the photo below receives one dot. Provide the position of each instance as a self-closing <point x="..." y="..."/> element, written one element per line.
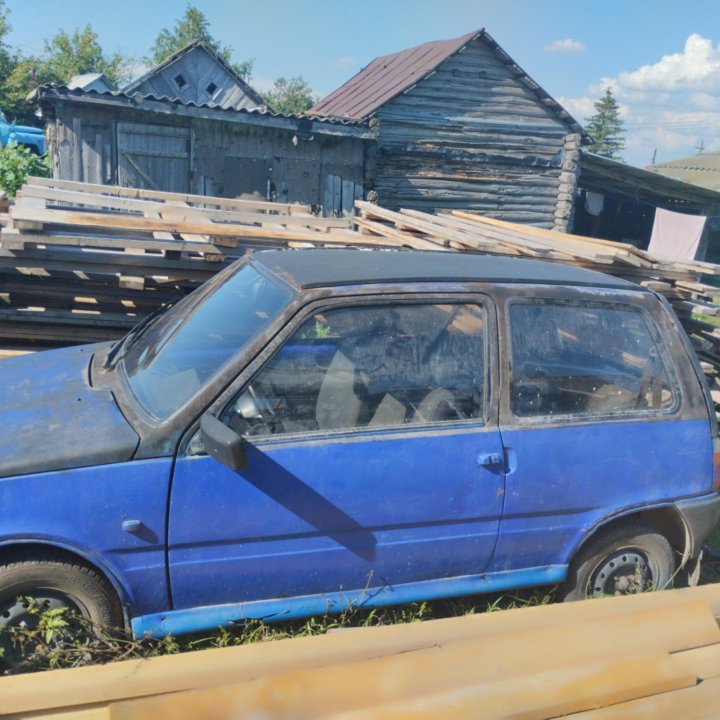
<point x="79" y="52"/>
<point x="606" y="128"/>
<point x="191" y="27"/>
<point x="65" y="55"/>
<point x="16" y="163"/>
<point x="290" y="96"/>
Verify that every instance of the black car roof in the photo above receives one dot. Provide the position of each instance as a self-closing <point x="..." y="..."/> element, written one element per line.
<point x="312" y="268"/>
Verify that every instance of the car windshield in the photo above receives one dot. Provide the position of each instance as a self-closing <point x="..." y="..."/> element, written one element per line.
<point x="168" y="360"/>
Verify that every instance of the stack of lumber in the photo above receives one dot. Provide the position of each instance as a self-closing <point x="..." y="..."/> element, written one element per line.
<point x="82" y="262"/>
<point x="653" y="655"/>
<point x="681" y="282"/>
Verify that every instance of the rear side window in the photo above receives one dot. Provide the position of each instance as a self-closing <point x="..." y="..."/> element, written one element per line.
<point x="370" y="366"/>
<point x="584" y="359"/>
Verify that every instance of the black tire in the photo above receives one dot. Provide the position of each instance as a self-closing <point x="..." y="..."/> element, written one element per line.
<point x="622" y="560"/>
<point x="57" y="583"/>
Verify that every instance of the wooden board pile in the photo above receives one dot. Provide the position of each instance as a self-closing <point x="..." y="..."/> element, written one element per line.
<point x="682" y="283"/>
<point x="82" y="262"/>
<point x="652" y="655"/>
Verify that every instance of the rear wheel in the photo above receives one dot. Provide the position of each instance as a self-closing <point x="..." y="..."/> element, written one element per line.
<point x="623" y="560"/>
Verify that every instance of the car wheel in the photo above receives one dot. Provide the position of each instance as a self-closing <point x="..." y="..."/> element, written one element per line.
<point x="55" y="584"/>
<point x="624" y="560"/>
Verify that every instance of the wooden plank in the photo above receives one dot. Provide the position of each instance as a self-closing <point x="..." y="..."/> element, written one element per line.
<point x="398" y="237"/>
<point x="628" y="253"/>
<point x="694" y="703"/>
<point x="173" y="209"/>
<point x="130" y="222"/>
<point x="118" y="191"/>
<point x="18" y="241"/>
<point x="487" y="646"/>
<point x="352" y="695"/>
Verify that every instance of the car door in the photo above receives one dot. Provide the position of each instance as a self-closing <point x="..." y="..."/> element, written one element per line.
<point x="594" y="424"/>
<point x="373" y="461"/>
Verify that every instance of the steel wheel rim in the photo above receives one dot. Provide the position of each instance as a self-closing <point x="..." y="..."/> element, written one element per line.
<point x="14" y="612"/>
<point x="625" y="572"/>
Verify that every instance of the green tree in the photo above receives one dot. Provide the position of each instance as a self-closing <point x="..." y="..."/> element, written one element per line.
<point x="11" y="100"/>
<point x="68" y="54"/>
<point x="290" y="96"/>
<point x="606" y="128"/>
<point x="193" y="26"/>
<point x="7" y="58"/>
<point x="65" y="55"/>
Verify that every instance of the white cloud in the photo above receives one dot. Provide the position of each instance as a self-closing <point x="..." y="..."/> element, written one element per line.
<point x="696" y="68"/>
<point x="345" y="62"/>
<point x="670" y="105"/>
<point x="705" y="101"/>
<point x="567" y="47"/>
<point x="580" y="107"/>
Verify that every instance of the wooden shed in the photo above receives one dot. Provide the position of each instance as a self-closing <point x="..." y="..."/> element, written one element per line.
<point x="166" y="144"/>
<point x="461" y="125"/>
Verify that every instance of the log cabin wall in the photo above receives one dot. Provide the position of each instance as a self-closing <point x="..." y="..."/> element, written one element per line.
<point x="474" y="135"/>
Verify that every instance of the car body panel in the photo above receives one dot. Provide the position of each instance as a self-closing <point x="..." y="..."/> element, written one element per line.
<point x="565" y="481"/>
<point x="83" y="510"/>
<point x="287" y="608"/>
<point x="59" y="420"/>
<point x="320" y="515"/>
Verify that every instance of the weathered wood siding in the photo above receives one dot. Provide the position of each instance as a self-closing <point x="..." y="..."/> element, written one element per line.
<point x="472" y="136"/>
<point x="192" y="78"/>
<point x="83" y="146"/>
<point x="131" y="147"/>
<point x="241" y="161"/>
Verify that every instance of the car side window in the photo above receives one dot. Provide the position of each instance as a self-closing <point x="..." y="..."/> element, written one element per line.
<point x="585" y="359"/>
<point x="370" y="366"/>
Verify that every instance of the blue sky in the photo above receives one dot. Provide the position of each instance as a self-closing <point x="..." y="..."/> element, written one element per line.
<point x="661" y="58"/>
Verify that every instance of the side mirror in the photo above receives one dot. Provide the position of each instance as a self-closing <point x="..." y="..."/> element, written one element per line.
<point x="222" y="443"/>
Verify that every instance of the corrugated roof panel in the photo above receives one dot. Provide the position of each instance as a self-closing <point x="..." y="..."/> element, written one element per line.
<point x="386" y="77"/>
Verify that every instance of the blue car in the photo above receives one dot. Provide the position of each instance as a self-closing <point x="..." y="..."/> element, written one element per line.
<point x="313" y="429"/>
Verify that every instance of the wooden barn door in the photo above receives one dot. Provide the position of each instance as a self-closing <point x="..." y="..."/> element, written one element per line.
<point x="156" y="157"/>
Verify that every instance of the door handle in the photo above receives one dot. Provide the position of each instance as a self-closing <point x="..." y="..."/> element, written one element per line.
<point x="490" y="460"/>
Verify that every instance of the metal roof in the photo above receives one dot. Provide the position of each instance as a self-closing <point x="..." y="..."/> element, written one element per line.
<point x="326" y="268"/>
<point x="49" y="94"/>
<point x="649" y="187"/>
<point x="388" y="76"/>
<point x="702" y="170"/>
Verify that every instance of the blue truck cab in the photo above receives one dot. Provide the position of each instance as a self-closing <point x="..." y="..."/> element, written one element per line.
<point x="313" y="429"/>
<point x="31" y="137"/>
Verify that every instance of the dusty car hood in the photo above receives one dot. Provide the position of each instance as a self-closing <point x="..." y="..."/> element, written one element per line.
<point x="52" y="419"/>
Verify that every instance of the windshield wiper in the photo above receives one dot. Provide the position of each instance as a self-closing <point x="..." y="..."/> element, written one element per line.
<point x="135" y="332"/>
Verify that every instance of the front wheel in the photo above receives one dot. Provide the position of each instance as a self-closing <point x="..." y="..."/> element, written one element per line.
<point x="56" y="584"/>
<point x="623" y="560"/>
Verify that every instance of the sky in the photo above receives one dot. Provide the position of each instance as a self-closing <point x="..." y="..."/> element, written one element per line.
<point x="661" y="58"/>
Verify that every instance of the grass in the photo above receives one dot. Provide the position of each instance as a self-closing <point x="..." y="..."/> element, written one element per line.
<point x="62" y="639"/>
